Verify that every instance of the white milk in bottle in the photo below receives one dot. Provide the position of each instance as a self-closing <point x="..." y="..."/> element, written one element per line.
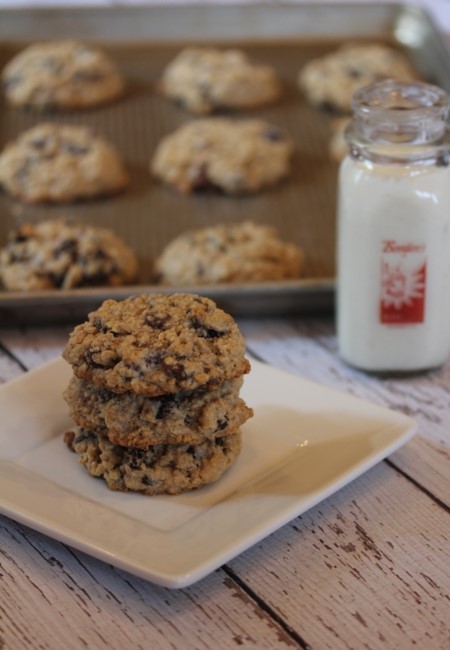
<point x="393" y="255"/>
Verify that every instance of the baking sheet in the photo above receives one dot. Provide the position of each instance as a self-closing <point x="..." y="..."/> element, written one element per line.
<point x="143" y="40"/>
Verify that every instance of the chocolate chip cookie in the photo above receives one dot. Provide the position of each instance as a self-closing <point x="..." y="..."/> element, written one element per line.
<point x="61" y="254"/>
<point x="235" y="156"/>
<point x="235" y="252"/>
<point x="139" y="421"/>
<point x="203" y="80"/>
<point x="160" y="469"/>
<point x="155" y="344"/>
<point x="61" y="74"/>
<point x="60" y="164"/>
<point x="330" y="81"/>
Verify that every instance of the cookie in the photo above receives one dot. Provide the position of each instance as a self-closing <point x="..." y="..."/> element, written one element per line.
<point x="236" y="252"/>
<point x="61" y="74"/>
<point x="60" y="164"/>
<point x="330" y="81"/>
<point x="155" y="344"/>
<point x="337" y="145"/>
<point x="236" y="157"/>
<point x="160" y="469"/>
<point x="203" y="80"/>
<point x="59" y="254"/>
<point x="140" y="421"/>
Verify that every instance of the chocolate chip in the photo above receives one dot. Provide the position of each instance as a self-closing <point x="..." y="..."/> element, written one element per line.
<point x="69" y="246"/>
<point x="135" y="457"/>
<point x="177" y="372"/>
<point x="222" y="424"/>
<point x="75" y="149"/>
<point x="52" y="64"/>
<point x="354" y="73"/>
<point x="39" y="143"/>
<point x="154" y="359"/>
<point x="205" y="332"/>
<point x="81" y="436"/>
<point x="156" y="322"/>
<point x="273" y="135"/>
<point x="199" y="177"/>
<point x="164" y="408"/>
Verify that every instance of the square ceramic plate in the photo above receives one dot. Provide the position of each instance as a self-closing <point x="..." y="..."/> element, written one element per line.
<point x="304" y="442"/>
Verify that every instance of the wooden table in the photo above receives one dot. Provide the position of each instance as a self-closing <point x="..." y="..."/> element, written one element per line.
<point x="366" y="568"/>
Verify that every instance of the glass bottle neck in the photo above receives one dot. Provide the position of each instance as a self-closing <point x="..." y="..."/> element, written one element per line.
<point x="400" y="122"/>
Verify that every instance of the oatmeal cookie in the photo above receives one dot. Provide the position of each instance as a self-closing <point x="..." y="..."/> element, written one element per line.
<point x="330" y="81"/>
<point x="59" y="254"/>
<point x="236" y="252"/>
<point x="236" y="157"/>
<point x="60" y="164"/>
<point x="61" y="74"/>
<point x="160" y="469"/>
<point x="205" y="79"/>
<point x="337" y="145"/>
<point x="139" y="421"/>
<point x="155" y="344"/>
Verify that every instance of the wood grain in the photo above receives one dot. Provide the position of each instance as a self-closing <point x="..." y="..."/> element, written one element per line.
<point x="367" y="568"/>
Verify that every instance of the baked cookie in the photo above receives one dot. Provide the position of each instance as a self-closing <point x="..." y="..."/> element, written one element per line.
<point x="337" y="145"/>
<point x="330" y="81"/>
<point x="160" y="469"/>
<point x="155" y="344"/>
<point x="139" y="421"/>
<point x="236" y="252"/>
<point x="236" y="157"/>
<point x="61" y="74"/>
<point x="205" y="79"/>
<point x="58" y="254"/>
<point x="56" y="163"/>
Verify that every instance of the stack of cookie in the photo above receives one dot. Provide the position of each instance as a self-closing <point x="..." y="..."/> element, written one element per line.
<point x="155" y="392"/>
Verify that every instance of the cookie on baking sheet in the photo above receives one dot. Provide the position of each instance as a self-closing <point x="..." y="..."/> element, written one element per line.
<point x="160" y="469"/>
<point x="235" y="252"/>
<point x="155" y="344"/>
<point x="60" y="254"/>
<point x="203" y="79"/>
<point x="330" y="81"/>
<point x="140" y="421"/>
<point x="337" y="145"/>
<point x="236" y="157"/>
<point x="58" y="163"/>
<point x="63" y="74"/>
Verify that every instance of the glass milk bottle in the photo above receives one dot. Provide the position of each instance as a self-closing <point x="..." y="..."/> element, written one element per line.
<point x="393" y="275"/>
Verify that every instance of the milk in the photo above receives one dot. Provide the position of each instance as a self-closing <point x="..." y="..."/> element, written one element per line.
<point x="393" y="275"/>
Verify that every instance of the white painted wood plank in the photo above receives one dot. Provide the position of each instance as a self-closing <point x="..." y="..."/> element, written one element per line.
<point x="367" y="568"/>
<point x="35" y="345"/>
<point x="52" y="597"/>
<point x="308" y="348"/>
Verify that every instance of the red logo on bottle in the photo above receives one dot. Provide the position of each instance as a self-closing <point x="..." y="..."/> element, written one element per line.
<point x="403" y="282"/>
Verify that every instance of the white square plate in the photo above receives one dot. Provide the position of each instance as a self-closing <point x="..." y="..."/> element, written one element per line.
<point x="304" y="442"/>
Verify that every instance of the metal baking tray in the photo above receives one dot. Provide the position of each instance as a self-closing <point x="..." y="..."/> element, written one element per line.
<point x="142" y="40"/>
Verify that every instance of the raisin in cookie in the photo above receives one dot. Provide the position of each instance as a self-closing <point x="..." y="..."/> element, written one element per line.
<point x="205" y="79"/>
<point x="139" y="421"/>
<point x="330" y="81"/>
<point x="160" y="469"/>
<point x="236" y="157"/>
<point x="237" y="252"/>
<point x="58" y="254"/>
<point x="61" y="74"/>
<point x="57" y="163"/>
<point x="154" y="344"/>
